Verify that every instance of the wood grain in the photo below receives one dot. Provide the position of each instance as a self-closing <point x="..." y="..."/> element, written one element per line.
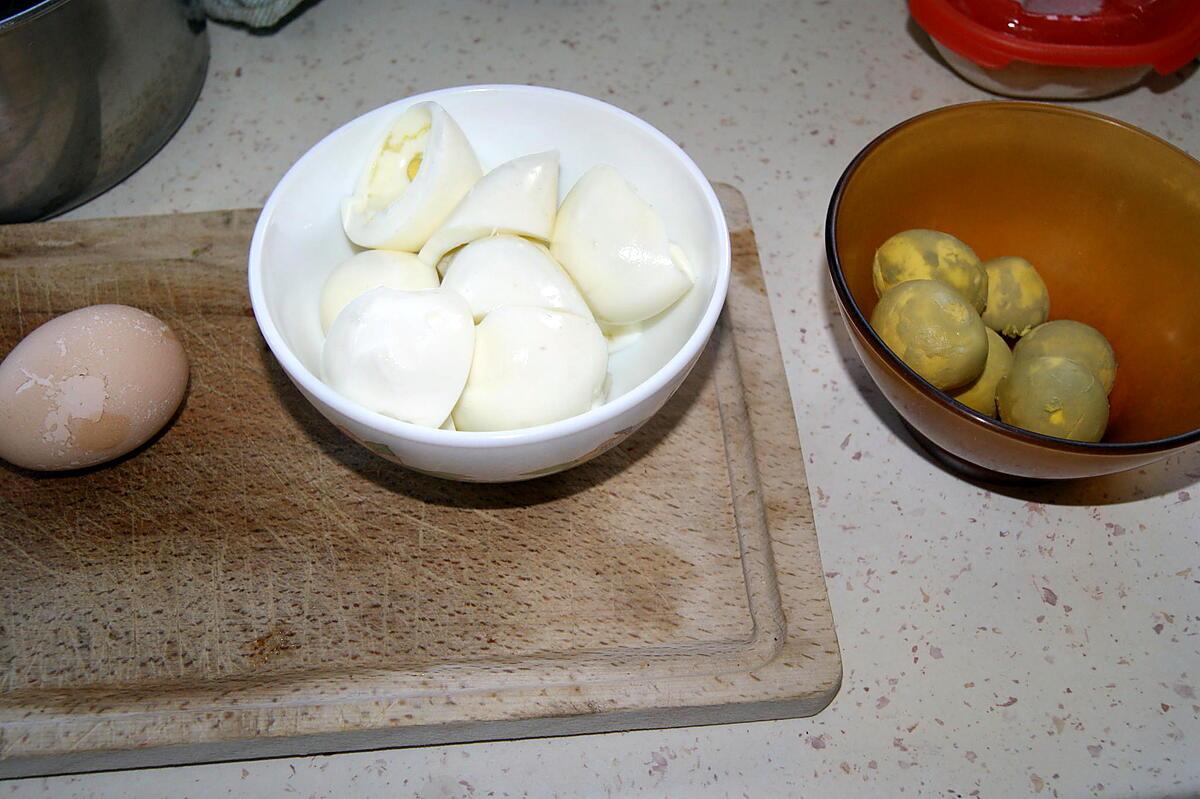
<point x="253" y="583"/>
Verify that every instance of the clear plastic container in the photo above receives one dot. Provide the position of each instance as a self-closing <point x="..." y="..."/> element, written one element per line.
<point x="1061" y="49"/>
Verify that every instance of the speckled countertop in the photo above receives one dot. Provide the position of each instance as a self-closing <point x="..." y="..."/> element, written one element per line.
<point x="1039" y="641"/>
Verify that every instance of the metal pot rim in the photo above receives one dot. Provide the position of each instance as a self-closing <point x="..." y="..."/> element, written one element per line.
<point x="30" y="14"/>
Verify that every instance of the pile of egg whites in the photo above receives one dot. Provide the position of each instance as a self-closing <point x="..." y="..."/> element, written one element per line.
<point x="477" y="303"/>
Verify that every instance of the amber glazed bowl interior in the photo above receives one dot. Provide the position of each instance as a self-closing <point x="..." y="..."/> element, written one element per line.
<point x="1109" y="215"/>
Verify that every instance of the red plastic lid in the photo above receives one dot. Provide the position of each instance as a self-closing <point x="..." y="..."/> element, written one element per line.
<point x="1164" y="34"/>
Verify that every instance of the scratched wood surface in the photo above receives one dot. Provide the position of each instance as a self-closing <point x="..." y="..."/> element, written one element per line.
<point x="253" y="583"/>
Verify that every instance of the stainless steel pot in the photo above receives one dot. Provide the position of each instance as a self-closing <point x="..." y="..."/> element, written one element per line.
<point x="89" y="90"/>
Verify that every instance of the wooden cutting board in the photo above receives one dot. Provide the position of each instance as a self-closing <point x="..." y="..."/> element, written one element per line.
<point x="252" y="583"/>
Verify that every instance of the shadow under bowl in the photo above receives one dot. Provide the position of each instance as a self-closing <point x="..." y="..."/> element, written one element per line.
<point x="1109" y="215"/>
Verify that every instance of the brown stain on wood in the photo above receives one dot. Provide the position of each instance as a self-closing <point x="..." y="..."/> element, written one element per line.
<point x="274" y="643"/>
<point x="252" y="552"/>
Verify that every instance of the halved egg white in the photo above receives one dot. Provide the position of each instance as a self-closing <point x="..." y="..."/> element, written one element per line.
<point x="532" y="366"/>
<point x="372" y="269"/>
<point x="508" y="270"/>
<point x="519" y="197"/>
<point x="421" y="168"/>
<point x="405" y="354"/>
<point x="614" y="245"/>
<point x="621" y="337"/>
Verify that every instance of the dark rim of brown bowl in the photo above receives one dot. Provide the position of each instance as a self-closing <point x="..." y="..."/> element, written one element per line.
<point x="954" y="406"/>
<point x="29" y="11"/>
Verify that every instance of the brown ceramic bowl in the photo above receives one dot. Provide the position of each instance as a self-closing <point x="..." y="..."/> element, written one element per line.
<point x="1109" y="214"/>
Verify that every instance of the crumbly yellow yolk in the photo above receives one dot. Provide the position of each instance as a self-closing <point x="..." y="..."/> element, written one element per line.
<point x="934" y="330"/>
<point x="1017" y="299"/>
<point x="1055" y="396"/>
<point x="930" y="255"/>
<point x="980" y="394"/>
<point x="397" y="163"/>
<point x="956" y="311"/>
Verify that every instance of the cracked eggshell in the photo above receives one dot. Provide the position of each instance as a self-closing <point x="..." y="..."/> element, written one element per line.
<point x="89" y="386"/>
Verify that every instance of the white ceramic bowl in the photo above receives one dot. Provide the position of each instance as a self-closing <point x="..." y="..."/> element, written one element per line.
<point x="299" y="240"/>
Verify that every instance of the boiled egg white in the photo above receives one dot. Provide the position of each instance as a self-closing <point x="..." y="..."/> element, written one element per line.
<point x="405" y="354"/>
<point x="509" y="270"/>
<point x="371" y="269"/>
<point x="615" y="247"/>
<point x="420" y="169"/>
<point x="532" y="366"/>
<point x="519" y="196"/>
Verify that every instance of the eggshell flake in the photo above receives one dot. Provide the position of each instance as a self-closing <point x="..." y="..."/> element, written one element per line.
<point x="89" y="386"/>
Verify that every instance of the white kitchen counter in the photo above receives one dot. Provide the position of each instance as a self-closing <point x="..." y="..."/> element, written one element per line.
<point x="1030" y="641"/>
